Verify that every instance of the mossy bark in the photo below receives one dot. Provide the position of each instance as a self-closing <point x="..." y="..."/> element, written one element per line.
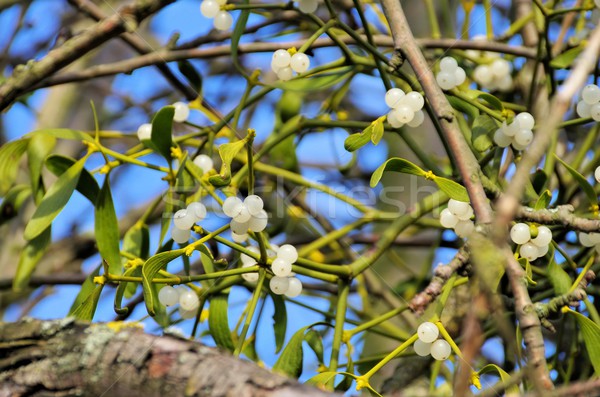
<point x="69" y="358"/>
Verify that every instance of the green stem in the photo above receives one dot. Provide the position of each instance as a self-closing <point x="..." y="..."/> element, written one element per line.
<point x="340" y="319"/>
<point x="389" y="357"/>
<point x="316" y="35"/>
<point x="175" y="280"/>
<point x="251" y="309"/>
<point x="376" y="321"/>
<point x="432" y="18"/>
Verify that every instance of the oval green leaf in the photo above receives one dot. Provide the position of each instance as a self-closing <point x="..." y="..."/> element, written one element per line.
<point x="32" y="253"/>
<point x="86" y="185"/>
<point x="86" y="310"/>
<point x="356" y="141"/>
<point x="398" y="165"/>
<point x="290" y="361"/>
<point x="494" y="102"/>
<point x="218" y="322"/>
<point x="10" y="154"/>
<point x="38" y="149"/>
<point x="54" y="200"/>
<point x="591" y="337"/>
<point x="227" y="151"/>
<point x="565" y="60"/>
<point x="453" y="189"/>
<point x="483" y="130"/>
<point x="149" y="270"/>
<point x="504" y="377"/>
<point x="559" y="278"/>
<point x="377" y="131"/>
<point x="106" y="227"/>
<point x="162" y="132"/>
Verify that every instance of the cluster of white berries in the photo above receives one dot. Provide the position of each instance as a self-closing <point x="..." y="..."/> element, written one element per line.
<point x="284" y="64"/>
<point x="451" y="75"/>
<point x="308" y="6"/>
<point x="589" y="105"/>
<point x="181" y="114"/>
<point x="519" y="133"/>
<point x="428" y="342"/>
<point x="212" y="9"/>
<point x="187" y="299"/>
<point x="247" y="215"/>
<point x="184" y="219"/>
<point x="495" y="76"/>
<point x="590" y="240"/>
<point x="406" y="108"/>
<point x="283" y="282"/>
<point x="458" y="217"/>
<point x="531" y="248"/>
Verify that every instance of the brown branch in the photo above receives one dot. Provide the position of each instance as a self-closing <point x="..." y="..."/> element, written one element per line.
<point x="468" y="166"/>
<point x="561" y="215"/>
<point x="166" y="55"/>
<point x="27" y="76"/>
<point x="136" y="42"/>
<point x="49" y="279"/>
<point x="60" y="358"/>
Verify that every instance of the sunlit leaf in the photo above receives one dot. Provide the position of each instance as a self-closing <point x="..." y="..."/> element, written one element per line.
<point x="565" y="60"/>
<point x="504" y="377"/>
<point x="106" y="227"/>
<point x="10" y="154"/>
<point x="218" y="322"/>
<point x="162" y="132"/>
<point x="591" y="337"/>
<point x="228" y="151"/>
<point x="31" y="254"/>
<point x="40" y="146"/>
<point x="290" y="361"/>
<point x="356" y="141"/>
<point x="559" y="278"/>
<point x="85" y="311"/>
<point x="454" y="190"/>
<point x="398" y="165"/>
<point x="483" y="130"/>
<point x="13" y="201"/>
<point x="149" y="270"/>
<point x="86" y="185"/>
<point x="377" y="131"/>
<point x="544" y="200"/>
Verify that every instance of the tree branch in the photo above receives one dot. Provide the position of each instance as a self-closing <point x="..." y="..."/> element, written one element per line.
<point x="27" y="76"/>
<point x="561" y="215"/>
<point x="64" y="358"/>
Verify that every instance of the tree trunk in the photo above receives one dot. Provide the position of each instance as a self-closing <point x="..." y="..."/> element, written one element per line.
<point x="69" y="358"/>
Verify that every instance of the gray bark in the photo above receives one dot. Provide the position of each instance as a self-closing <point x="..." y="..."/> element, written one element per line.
<point x="69" y="358"/>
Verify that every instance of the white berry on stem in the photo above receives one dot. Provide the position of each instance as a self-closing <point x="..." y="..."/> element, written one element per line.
<point x="428" y="332"/>
<point x="440" y="349"/>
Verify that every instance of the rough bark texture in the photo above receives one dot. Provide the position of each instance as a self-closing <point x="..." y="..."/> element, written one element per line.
<point x="68" y="358"/>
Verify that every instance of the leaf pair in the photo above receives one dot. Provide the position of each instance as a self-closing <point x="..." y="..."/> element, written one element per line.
<point x="452" y="189"/>
<point x="373" y="133"/>
<point x="228" y="151"/>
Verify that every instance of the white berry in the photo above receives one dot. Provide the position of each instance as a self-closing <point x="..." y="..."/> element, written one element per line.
<point x="524" y="137"/>
<point x="294" y="287"/>
<point x="417" y="120"/>
<point x="251" y="277"/>
<point x="281" y="267"/>
<point x="529" y="251"/>
<point x="597" y="174"/>
<point x="300" y="62"/>
<point x="288" y="253"/>
<point x="204" y="162"/>
<point x="585" y="240"/>
<point x="184" y="219"/>
<point x="428" y="332"/>
<point x="440" y="349"/>
<point x="448" y="64"/>
<point x="187" y="314"/>
<point x="281" y="58"/>
<point x="526" y="120"/>
<point x="501" y="139"/>
<point x="483" y="75"/>
<point x="458" y="208"/>
<point x="232" y="206"/>
<point x="181" y="236"/>
<point x="591" y="94"/>
<point x="254" y="204"/>
<point x="209" y="8"/>
<point x="239" y="238"/>
<point x="594" y="238"/>
<point x="393" y="97"/>
<point x="445" y="80"/>
<point x="583" y="109"/>
<point x="421" y="348"/>
<point x="279" y="285"/>
<point x="198" y="211"/>
<point x="285" y="74"/>
<point x="464" y="229"/>
<point x="448" y="219"/>
<point x="258" y="222"/>
<point x="500" y="68"/>
<point x="188" y="300"/>
<point x="144" y="131"/>
<point x="544" y="236"/>
<point x="223" y="20"/>
<point x="244" y="215"/>
<point x="168" y="296"/>
<point x="246" y="259"/>
<point x="393" y="119"/>
<point x="520" y="233"/>
<point x="459" y="76"/>
<point x="542" y="251"/>
<point x="182" y="112"/>
<point x="238" y="227"/>
<point x="308" y="6"/>
<point x="511" y="129"/>
<point x="414" y="100"/>
<point x="595" y="112"/>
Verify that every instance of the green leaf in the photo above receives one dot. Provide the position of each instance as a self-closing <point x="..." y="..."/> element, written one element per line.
<point x="377" y="131"/>
<point x="149" y="270"/>
<point x="494" y="102"/>
<point x="162" y="132"/>
<point x="165" y="221"/>
<point x="63" y="133"/>
<point x="227" y="151"/>
<point x="538" y="181"/>
<point x="591" y="337"/>
<point x="238" y="32"/>
<point x="86" y="310"/>
<point x="290" y="361"/>
<point x="137" y="240"/>
<point x="544" y="200"/>
<point x="483" y="130"/>
<point x="559" y="278"/>
<point x="463" y="106"/>
<point x="191" y="74"/>
<point x="54" y="200"/>
<point x="38" y="149"/>
<point x="86" y="289"/>
<point x="454" y="190"/>
<point x="218" y="322"/>
<point x="504" y="377"/>
<point x="122" y="289"/>
<point x="316" y="82"/>
<point x="106" y="227"/>
<point x="398" y="165"/>
<point x="565" y="60"/>
<point x="315" y="341"/>
<point x="31" y="254"/>
<point x="587" y="188"/>
<point x="86" y="185"/>
<point x="10" y="154"/>
<point x="356" y="141"/>
<point x="13" y="201"/>
<point x="322" y="379"/>
<point x="528" y="271"/>
<point x="279" y="321"/>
